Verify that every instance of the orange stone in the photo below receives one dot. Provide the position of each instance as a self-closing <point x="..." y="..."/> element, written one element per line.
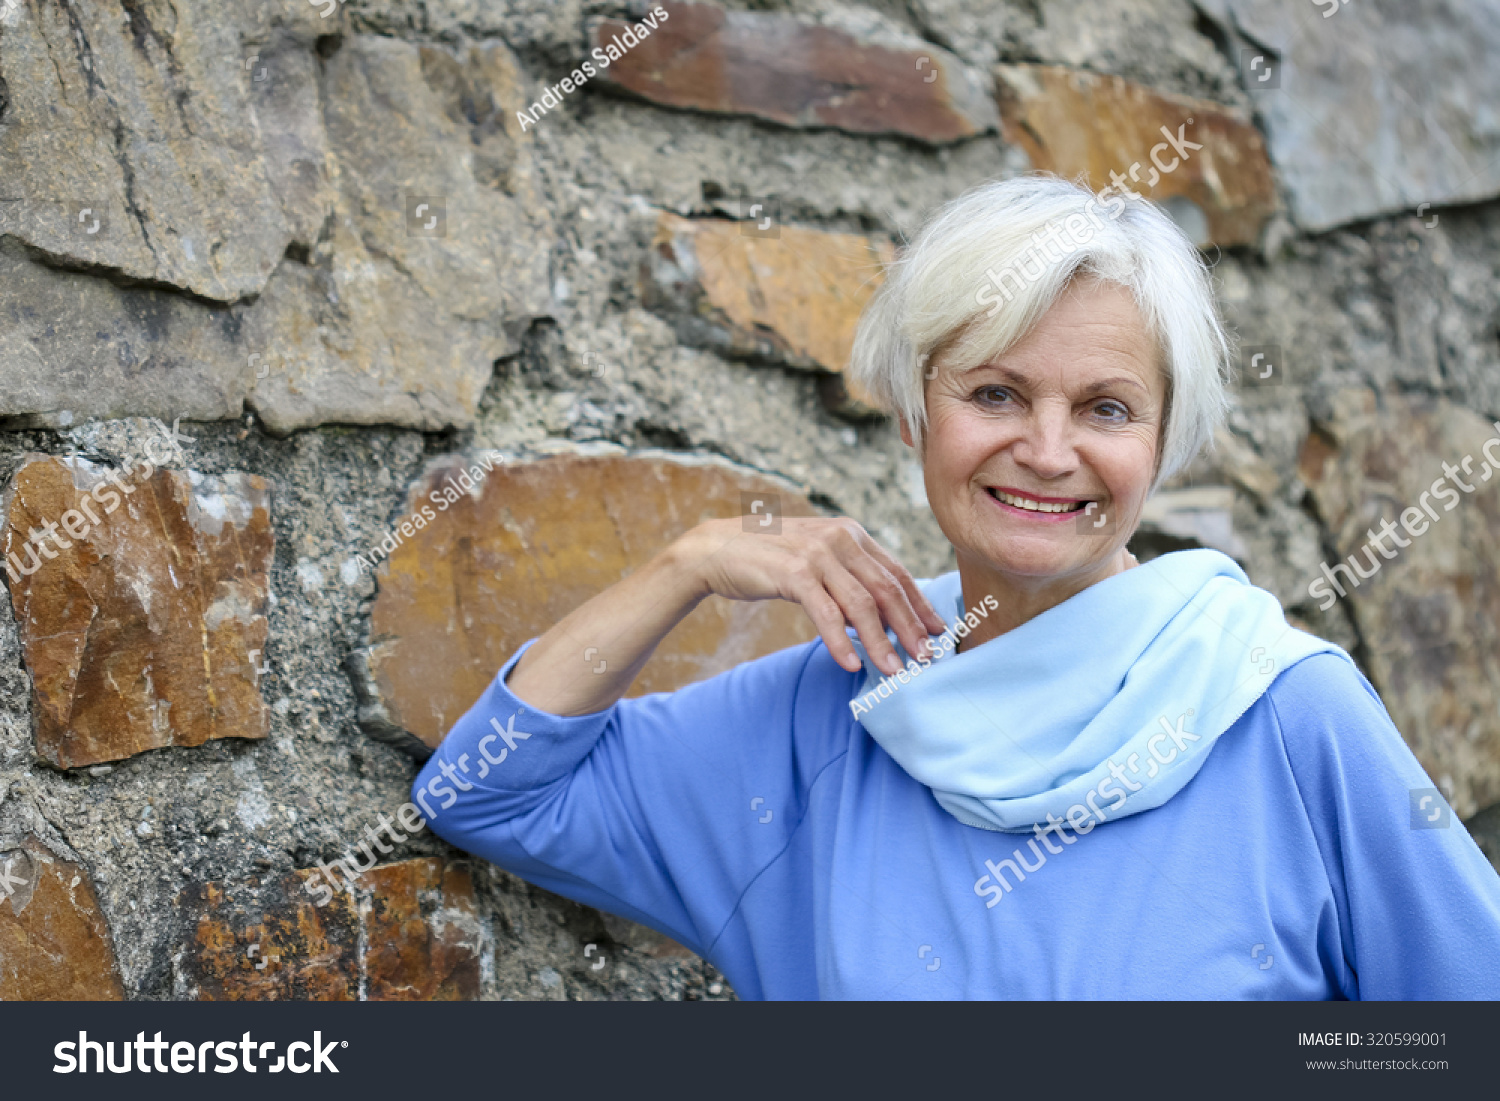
<point x="54" y="942"/>
<point x="1073" y="122"/>
<point x="423" y="932"/>
<point x="266" y="939"/>
<point x="256" y="940"/>
<point x="795" y="73"/>
<point x="142" y="617"/>
<point x="534" y="541"/>
<point x="795" y="298"/>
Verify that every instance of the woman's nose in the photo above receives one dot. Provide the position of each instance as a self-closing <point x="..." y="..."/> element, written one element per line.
<point x="1046" y="446"/>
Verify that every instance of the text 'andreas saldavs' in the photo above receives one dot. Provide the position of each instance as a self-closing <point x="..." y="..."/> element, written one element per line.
<point x="449" y="493"/>
<point x="611" y="51"/>
<point x="948" y="640"/>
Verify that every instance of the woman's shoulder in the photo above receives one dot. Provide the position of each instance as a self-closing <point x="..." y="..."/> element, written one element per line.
<point x="1331" y="718"/>
<point x="1328" y="680"/>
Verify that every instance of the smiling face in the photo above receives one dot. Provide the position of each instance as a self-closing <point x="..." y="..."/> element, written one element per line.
<point x="1037" y="464"/>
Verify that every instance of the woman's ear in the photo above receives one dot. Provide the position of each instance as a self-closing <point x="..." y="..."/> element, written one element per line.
<point x="905" y="432"/>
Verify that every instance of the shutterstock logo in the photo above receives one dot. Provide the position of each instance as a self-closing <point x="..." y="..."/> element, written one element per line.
<point x="188" y="1058"/>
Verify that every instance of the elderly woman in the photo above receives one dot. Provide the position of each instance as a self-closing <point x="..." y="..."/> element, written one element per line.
<point x="1063" y="773"/>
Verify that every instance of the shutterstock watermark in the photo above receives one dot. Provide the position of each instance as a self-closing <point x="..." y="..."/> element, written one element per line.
<point x="79" y="523"/>
<point x="1330" y="7"/>
<point x="1083" y="816"/>
<point x="189" y="1058"/>
<point x="1415" y="519"/>
<point x="10" y="882"/>
<point x="760" y="513"/>
<point x="1080" y="228"/>
<point x="410" y="818"/>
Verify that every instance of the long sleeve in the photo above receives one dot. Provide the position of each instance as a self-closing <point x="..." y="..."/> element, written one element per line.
<point x="1418" y="903"/>
<point x="663" y="808"/>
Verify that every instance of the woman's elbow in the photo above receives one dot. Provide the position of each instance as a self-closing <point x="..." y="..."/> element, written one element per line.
<point x="438" y="789"/>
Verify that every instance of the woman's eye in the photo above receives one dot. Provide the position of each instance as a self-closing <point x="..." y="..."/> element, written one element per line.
<point x="1111" y="410"/>
<point x="992" y="395"/>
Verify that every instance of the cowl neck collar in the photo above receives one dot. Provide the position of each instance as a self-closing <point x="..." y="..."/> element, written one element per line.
<point x="1102" y="706"/>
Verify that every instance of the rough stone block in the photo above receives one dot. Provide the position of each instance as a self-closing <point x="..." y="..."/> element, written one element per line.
<point x="789" y="71"/>
<point x="436" y="260"/>
<point x="143" y="352"/>
<point x="1201" y="516"/>
<point x="410" y="932"/>
<point x="127" y="151"/>
<point x="54" y="943"/>
<point x="360" y="237"/>
<point x="141" y="605"/>
<point x="254" y="940"/>
<point x="1429" y="615"/>
<point x="1073" y="122"/>
<point x="422" y="932"/>
<point x="794" y="298"/>
<point x="1372" y="108"/>
<point x="502" y="563"/>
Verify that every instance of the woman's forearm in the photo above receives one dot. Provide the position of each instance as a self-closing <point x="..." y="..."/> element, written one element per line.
<point x="830" y="566"/>
<point x="587" y="661"/>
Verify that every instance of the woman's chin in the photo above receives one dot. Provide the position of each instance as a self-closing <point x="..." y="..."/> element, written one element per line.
<point x="1036" y="559"/>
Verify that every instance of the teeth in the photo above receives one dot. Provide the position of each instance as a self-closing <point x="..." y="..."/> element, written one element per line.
<point x="1030" y="505"/>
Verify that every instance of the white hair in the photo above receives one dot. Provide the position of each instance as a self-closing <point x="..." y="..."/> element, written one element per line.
<point x="985" y="249"/>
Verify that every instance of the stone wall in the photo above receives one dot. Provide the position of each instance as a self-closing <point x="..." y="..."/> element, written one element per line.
<point x="331" y="370"/>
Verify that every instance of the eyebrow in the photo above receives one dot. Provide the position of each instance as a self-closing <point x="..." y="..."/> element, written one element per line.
<point x="1014" y="376"/>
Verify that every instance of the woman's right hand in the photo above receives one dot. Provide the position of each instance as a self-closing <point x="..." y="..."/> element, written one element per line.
<point x="830" y="566"/>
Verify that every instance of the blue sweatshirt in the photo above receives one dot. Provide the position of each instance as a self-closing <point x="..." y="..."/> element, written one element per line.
<point x="753" y="819"/>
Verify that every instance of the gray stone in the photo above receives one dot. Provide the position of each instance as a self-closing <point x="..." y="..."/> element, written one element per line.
<point x="553" y="26"/>
<point x="436" y="261"/>
<point x="1153" y="42"/>
<point x="1428" y="605"/>
<point x="370" y="317"/>
<point x="285" y="104"/>
<point x="73" y="346"/>
<point x="1484" y="827"/>
<point x="1377" y="106"/>
<point x="1202" y="516"/>
<point x="129" y="147"/>
<point x="693" y="164"/>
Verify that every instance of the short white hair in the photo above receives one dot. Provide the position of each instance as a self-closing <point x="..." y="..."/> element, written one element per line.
<point x="981" y="250"/>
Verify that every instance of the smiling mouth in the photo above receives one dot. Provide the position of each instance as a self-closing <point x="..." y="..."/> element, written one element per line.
<point x="1037" y="504"/>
